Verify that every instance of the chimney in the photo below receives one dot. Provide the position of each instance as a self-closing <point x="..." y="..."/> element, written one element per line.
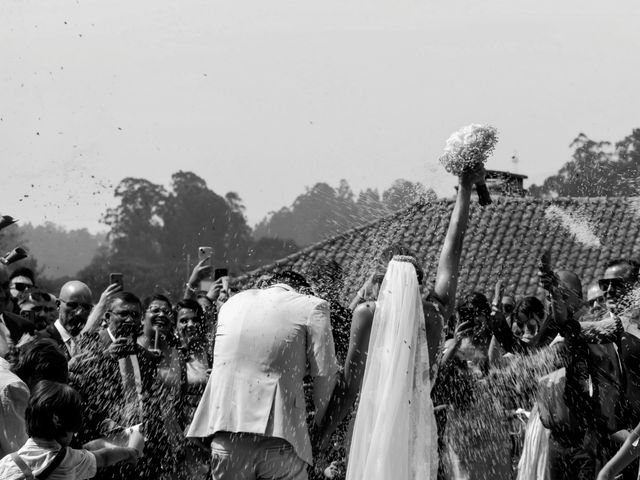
<point x="505" y="184"/>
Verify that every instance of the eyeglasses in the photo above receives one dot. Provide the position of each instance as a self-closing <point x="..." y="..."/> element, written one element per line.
<point x="77" y="305"/>
<point x="43" y="309"/>
<point x="507" y="307"/>
<point x="21" y="287"/>
<point x="124" y="314"/>
<point x="612" y="283"/>
<point x="158" y="311"/>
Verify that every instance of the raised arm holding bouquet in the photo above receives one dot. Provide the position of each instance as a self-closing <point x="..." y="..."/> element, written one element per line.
<point x="468" y="148"/>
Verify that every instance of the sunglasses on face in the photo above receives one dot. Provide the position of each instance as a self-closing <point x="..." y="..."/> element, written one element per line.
<point x="612" y="283"/>
<point x="159" y="311"/>
<point x="77" y="305"/>
<point x="42" y="309"/>
<point x="21" y="287"/>
<point x="507" y="308"/>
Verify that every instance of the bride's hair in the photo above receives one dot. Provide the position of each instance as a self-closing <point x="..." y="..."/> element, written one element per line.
<point x="396" y="250"/>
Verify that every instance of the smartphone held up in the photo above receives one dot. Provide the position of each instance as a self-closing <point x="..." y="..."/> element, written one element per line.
<point x="205" y="253"/>
<point x="117" y="278"/>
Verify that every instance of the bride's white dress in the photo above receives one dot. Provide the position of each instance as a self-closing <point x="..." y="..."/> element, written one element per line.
<point x="395" y="434"/>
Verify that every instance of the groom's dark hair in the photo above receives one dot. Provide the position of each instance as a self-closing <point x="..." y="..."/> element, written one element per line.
<point x="291" y="278"/>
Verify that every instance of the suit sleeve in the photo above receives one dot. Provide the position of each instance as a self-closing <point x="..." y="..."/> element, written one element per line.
<point x="321" y="353"/>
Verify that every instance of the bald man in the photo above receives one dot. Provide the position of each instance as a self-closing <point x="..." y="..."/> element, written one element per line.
<point x="74" y="307"/>
<point x="12" y="327"/>
<point x="595" y="298"/>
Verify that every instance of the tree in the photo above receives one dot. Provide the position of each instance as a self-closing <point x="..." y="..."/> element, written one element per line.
<point x="323" y="211"/>
<point x="627" y="152"/>
<point x="320" y="212"/>
<point x="266" y="250"/>
<point x="596" y="169"/>
<point x="61" y="252"/>
<point x="369" y="205"/>
<point x="403" y="193"/>
<point x="194" y="215"/>
<point x="154" y="233"/>
<point x="136" y="223"/>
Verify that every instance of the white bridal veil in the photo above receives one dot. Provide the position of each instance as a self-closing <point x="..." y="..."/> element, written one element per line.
<point x="395" y="431"/>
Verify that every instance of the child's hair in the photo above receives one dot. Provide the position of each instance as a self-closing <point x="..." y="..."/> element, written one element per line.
<point x="41" y="360"/>
<point x="48" y="399"/>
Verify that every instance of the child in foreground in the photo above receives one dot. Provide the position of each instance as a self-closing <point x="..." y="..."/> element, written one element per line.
<point x="53" y="415"/>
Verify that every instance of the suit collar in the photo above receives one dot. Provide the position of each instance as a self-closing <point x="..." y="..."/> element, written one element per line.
<point x="63" y="332"/>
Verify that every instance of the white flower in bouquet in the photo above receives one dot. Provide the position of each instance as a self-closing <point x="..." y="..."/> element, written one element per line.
<point x="468" y="147"/>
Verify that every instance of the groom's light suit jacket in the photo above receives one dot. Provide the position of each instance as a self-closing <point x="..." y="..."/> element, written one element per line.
<point x="265" y="340"/>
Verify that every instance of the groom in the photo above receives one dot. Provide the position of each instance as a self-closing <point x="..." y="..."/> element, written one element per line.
<point x="254" y="404"/>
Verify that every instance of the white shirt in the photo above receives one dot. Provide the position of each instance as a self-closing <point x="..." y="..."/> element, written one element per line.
<point x="14" y="396"/>
<point x="68" y="340"/>
<point x="76" y="465"/>
<point x="5" y="338"/>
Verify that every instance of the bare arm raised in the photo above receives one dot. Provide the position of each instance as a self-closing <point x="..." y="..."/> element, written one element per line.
<point x="449" y="264"/>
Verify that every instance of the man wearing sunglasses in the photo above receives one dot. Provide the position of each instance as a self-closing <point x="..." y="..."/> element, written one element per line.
<point x="20" y="283"/>
<point x="12" y="327"/>
<point x="74" y="306"/>
<point x="619" y="278"/>
<point x="617" y="283"/>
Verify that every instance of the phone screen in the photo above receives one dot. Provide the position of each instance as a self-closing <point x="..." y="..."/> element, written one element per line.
<point x="220" y="272"/>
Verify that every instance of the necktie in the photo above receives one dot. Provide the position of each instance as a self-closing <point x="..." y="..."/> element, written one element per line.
<point x="132" y="388"/>
<point x="71" y="347"/>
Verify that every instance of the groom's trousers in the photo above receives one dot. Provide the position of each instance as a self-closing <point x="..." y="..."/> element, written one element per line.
<point x="246" y="456"/>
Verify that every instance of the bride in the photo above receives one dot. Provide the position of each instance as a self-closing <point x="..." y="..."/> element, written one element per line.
<point x="391" y="362"/>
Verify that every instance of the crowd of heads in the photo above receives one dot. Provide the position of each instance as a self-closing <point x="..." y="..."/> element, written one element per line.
<point x="190" y="321"/>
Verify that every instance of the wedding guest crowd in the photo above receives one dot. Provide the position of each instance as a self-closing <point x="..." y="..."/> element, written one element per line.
<point x="282" y="380"/>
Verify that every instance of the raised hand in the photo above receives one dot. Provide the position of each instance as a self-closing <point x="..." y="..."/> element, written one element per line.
<point x="215" y="289"/>
<point x="200" y="271"/>
<point x="98" y="311"/>
<point x="473" y="175"/>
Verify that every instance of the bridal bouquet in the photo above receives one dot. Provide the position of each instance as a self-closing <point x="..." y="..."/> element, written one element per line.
<point x="468" y="147"/>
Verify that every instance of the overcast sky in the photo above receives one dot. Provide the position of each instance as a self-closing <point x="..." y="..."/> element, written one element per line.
<point x="265" y="97"/>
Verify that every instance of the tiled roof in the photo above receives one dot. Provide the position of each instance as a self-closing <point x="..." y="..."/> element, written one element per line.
<point x="504" y="240"/>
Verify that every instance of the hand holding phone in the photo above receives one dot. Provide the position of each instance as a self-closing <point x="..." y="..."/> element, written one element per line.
<point x="118" y="279"/>
<point x="223" y="275"/>
<point x="205" y="253"/>
<point x="546" y="277"/>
